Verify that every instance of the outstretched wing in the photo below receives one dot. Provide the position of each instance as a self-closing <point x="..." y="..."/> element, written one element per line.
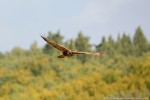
<point x="92" y="53"/>
<point x="57" y="46"/>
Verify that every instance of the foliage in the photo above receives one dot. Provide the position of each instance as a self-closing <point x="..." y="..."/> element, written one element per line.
<point x="82" y="44"/>
<point x="34" y="74"/>
<point x="140" y="41"/>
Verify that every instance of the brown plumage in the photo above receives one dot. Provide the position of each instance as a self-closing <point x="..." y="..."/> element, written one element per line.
<point x="67" y="52"/>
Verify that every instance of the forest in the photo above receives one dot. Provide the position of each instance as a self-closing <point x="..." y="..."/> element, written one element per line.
<point x="37" y="73"/>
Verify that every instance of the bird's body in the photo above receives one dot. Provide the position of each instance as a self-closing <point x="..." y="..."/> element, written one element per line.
<point x="67" y="52"/>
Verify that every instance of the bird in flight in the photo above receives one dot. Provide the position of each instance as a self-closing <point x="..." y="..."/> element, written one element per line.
<point x="67" y="52"/>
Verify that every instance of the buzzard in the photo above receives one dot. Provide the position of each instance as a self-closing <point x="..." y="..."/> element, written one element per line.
<point x="67" y="52"/>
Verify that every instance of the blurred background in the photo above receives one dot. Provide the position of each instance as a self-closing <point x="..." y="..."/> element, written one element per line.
<point x="30" y="69"/>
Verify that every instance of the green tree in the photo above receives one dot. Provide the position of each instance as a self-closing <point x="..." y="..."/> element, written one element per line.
<point x="110" y="46"/>
<point x="118" y="45"/>
<point x="82" y="44"/>
<point x="126" y="45"/>
<point x="102" y="45"/>
<point x="1" y="55"/>
<point x="17" y="51"/>
<point x="111" y="41"/>
<point x="71" y="44"/>
<point x="140" y="41"/>
<point x="34" y="48"/>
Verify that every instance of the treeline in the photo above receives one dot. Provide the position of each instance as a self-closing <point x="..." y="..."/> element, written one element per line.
<point x="37" y="73"/>
<point x="125" y="44"/>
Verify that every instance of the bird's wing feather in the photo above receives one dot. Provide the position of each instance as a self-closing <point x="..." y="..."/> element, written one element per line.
<point x="92" y="53"/>
<point x="57" y="46"/>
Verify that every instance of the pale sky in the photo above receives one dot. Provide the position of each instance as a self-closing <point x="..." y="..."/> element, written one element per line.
<point x="23" y="21"/>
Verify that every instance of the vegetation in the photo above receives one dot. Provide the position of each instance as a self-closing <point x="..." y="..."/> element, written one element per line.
<point x="37" y="74"/>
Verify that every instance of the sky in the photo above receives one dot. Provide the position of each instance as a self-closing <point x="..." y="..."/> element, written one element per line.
<point x="23" y="21"/>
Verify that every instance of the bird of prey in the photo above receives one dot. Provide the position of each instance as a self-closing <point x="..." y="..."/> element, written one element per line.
<point x="67" y="52"/>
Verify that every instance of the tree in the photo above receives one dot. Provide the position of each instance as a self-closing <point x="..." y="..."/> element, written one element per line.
<point x="118" y="45"/>
<point x="17" y="51"/>
<point x="82" y="44"/>
<point x="102" y="45"/>
<point x="110" y="46"/>
<point x="111" y="41"/>
<point x="1" y="55"/>
<point x="34" y="49"/>
<point x="71" y="44"/>
<point x="126" y="45"/>
<point x="140" y="41"/>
